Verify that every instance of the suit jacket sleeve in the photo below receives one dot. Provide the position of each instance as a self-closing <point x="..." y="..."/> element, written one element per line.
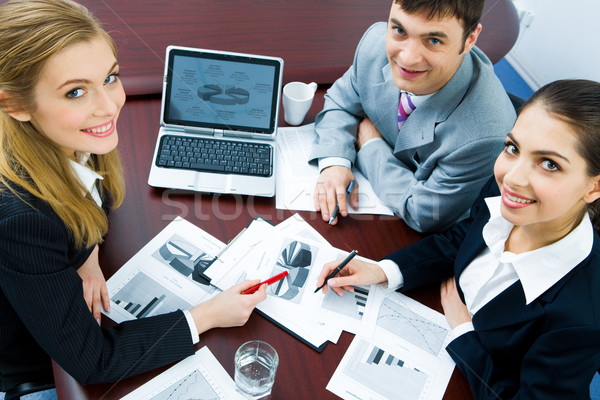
<point x="47" y="295"/>
<point x="336" y="125"/>
<point x="433" y="200"/>
<point x="433" y="258"/>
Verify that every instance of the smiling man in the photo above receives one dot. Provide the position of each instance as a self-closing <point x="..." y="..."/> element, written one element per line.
<point x="420" y="113"/>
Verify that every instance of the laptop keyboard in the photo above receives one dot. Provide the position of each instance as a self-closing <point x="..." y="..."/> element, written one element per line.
<point x="214" y="155"/>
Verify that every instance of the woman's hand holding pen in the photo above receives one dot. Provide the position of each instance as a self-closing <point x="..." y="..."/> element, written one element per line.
<point x="229" y="308"/>
<point x="355" y="273"/>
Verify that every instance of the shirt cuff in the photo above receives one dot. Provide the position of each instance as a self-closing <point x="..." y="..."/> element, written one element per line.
<point x="192" y="325"/>
<point x="331" y="161"/>
<point x="461" y="330"/>
<point x="395" y="280"/>
<point x="365" y="144"/>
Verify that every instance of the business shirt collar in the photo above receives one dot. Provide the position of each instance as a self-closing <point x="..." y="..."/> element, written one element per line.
<point x="87" y="177"/>
<point x="419" y="100"/>
<point x="540" y="269"/>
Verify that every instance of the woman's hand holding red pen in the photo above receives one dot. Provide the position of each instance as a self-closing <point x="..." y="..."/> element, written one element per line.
<point x="229" y="308"/>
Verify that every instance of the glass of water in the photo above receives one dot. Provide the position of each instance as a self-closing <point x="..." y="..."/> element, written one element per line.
<point x="255" y="366"/>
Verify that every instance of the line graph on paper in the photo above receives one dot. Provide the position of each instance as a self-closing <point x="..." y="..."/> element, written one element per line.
<point x="192" y="386"/>
<point x="410" y="326"/>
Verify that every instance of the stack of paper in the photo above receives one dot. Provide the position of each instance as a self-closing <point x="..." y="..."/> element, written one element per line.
<point x="263" y="250"/>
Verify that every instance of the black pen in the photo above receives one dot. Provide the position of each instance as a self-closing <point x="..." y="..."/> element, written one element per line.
<point x="338" y="269"/>
<point x="336" y="211"/>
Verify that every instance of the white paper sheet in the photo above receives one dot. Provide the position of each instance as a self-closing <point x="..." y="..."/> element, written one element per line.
<point x="199" y="376"/>
<point x="263" y="250"/>
<point x="165" y="275"/>
<point x="403" y="357"/>
<point x="296" y="178"/>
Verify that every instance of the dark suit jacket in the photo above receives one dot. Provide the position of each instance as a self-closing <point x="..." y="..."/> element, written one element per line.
<point x="549" y="349"/>
<point x="44" y="315"/>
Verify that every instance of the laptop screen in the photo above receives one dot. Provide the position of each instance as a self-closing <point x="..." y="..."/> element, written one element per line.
<point x="226" y="91"/>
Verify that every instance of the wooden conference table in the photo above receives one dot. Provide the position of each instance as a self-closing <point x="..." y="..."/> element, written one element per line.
<point x="303" y="373"/>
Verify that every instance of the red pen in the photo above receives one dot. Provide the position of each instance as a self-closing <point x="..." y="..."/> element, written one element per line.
<point x="269" y="281"/>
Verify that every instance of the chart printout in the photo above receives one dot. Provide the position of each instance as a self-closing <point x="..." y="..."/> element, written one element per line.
<point x="403" y="357"/>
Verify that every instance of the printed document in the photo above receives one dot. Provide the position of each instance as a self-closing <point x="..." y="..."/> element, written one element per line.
<point x="199" y="376"/>
<point x="296" y="178"/>
<point x="402" y="358"/>
<point x="167" y="274"/>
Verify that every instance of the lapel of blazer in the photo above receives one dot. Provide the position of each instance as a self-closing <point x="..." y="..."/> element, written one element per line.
<point x="508" y="308"/>
<point x="387" y="97"/>
<point x="473" y="243"/>
<point x="494" y="314"/>
<point x="418" y="130"/>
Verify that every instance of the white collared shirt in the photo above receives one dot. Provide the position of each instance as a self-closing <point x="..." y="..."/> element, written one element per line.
<point x="494" y="270"/>
<point x="88" y="178"/>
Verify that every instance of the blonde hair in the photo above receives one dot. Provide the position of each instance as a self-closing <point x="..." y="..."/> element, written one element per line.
<point x="32" y="32"/>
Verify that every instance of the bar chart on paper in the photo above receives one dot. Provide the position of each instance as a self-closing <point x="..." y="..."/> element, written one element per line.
<point x="351" y="305"/>
<point x="142" y="296"/>
<point x="385" y="374"/>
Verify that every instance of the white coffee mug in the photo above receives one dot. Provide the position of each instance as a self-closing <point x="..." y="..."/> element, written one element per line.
<point x="297" y="99"/>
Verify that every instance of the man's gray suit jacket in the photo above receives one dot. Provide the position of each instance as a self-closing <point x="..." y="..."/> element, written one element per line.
<point x="432" y="171"/>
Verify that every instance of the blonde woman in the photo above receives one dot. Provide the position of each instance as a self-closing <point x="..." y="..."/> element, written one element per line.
<point x="60" y="97"/>
<point x="521" y="276"/>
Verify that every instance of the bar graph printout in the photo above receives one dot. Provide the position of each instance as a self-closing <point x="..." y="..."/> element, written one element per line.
<point x="349" y="312"/>
<point x="402" y="357"/>
<point x="142" y="297"/>
<point x="199" y="376"/>
<point x="167" y="274"/>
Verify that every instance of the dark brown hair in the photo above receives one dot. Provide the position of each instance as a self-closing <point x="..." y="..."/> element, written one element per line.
<point x="467" y="11"/>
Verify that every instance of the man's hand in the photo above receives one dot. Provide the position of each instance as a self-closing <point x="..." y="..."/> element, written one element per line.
<point x="95" y="292"/>
<point x="455" y="310"/>
<point x="331" y="191"/>
<point x="366" y="132"/>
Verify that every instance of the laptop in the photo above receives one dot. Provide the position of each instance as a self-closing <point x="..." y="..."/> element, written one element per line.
<point x="218" y="122"/>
